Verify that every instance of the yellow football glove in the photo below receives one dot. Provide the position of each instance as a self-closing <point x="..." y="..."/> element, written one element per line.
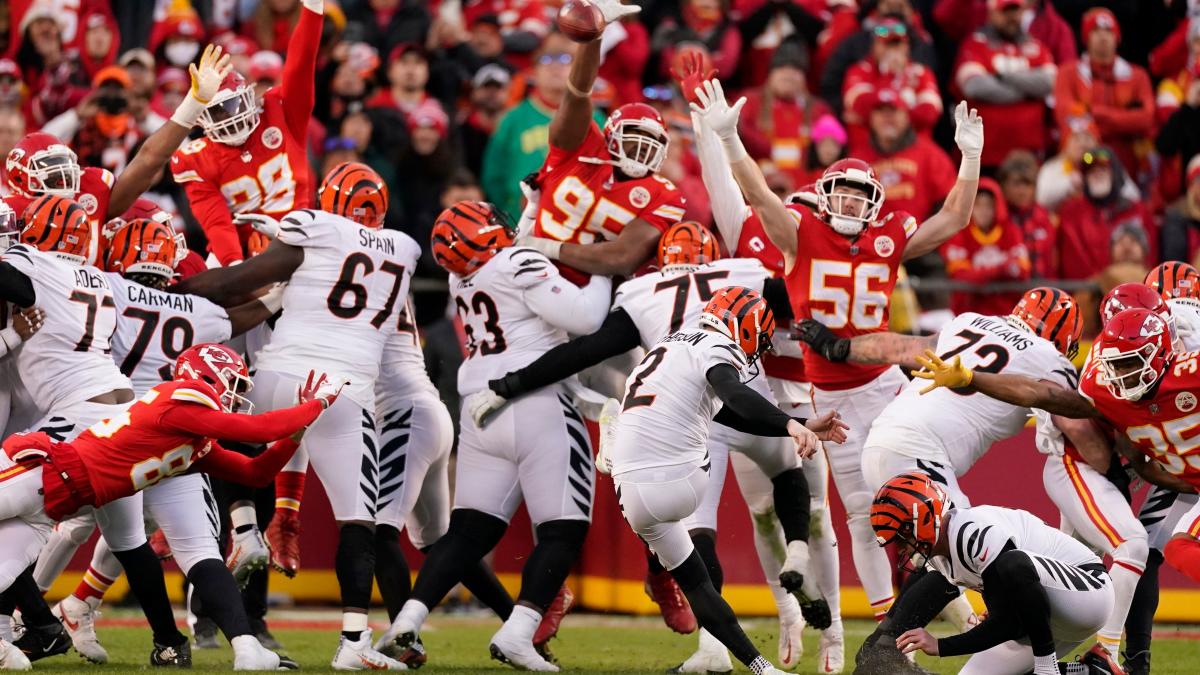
<point x="952" y="375"/>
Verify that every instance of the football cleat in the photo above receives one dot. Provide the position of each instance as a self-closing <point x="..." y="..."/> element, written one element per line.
<point x="406" y="648"/>
<point x="179" y="656"/>
<point x="518" y="653"/>
<point x="204" y="634"/>
<point x="1137" y="664"/>
<point x="12" y="658"/>
<point x="553" y="617"/>
<point x="672" y="603"/>
<point x="1100" y="662"/>
<point x="158" y="543"/>
<point x="358" y="655"/>
<point x="247" y="554"/>
<point x="39" y="642"/>
<point x="710" y="657"/>
<point x="79" y="619"/>
<point x="249" y="654"/>
<point x="283" y="538"/>
<point x="267" y="639"/>
<point x="608" y="434"/>
<point x="831" y="650"/>
<point x="791" y="643"/>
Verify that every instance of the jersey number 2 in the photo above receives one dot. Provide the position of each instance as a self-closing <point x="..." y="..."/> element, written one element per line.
<point x="650" y="364"/>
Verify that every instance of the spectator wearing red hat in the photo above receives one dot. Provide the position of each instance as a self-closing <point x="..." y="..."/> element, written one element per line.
<point x="177" y="39"/>
<point x="990" y="249"/>
<point x="1006" y="74"/>
<point x="858" y="44"/>
<point x="1181" y="225"/>
<point x="915" y="173"/>
<point x="1116" y="93"/>
<point x="1017" y="176"/>
<point x="890" y="66"/>
<point x="1090" y="218"/>
<point x="100" y="42"/>
<point x="698" y="21"/>
<point x="523" y="24"/>
<point x="265" y="70"/>
<point x="777" y="119"/>
<point x="959" y="18"/>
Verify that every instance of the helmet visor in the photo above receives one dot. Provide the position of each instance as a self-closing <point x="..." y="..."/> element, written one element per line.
<point x="58" y="173"/>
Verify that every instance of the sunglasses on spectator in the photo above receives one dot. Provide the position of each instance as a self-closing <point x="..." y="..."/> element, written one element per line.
<point x="658" y="93"/>
<point x="339" y="143"/>
<point x="895" y="31"/>
<point x="562" y="58"/>
<point x="1097" y="158"/>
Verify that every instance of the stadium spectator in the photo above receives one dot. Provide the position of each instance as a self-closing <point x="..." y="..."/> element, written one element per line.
<point x="344" y="83"/>
<point x="489" y="94"/>
<point x="828" y="146"/>
<point x="1006" y="74"/>
<point x="959" y="18"/>
<point x="1172" y="90"/>
<point x="856" y="46"/>
<point x="484" y="36"/>
<point x="1095" y="214"/>
<point x="176" y="40"/>
<point x="698" y="21"/>
<point x="522" y="25"/>
<point x="423" y="166"/>
<point x="240" y="48"/>
<point x="1128" y="250"/>
<point x="1182" y="220"/>
<point x="778" y="118"/>
<point x="1017" y="176"/>
<point x="139" y="63"/>
<point x="841" y="21"/>
<point x="767" y="24"/>
<point x="265" y="70"/>
<point x="385" y="24"/>
<point x="100" y="42"/>
<point x="51" y="73"/>
<point x="272" y="23"/>
<point x="1115" y="93"/>
<point x="1180" y="134"/>
<point x="1059" y="178"/>
<point x="102" y="129"/>
<point x="407" y="74"/>
<point x="990" y="249"/>
<point x="12" y="89"/>
<point x="173" y="85"/>
<point x="889" y="66"/>
<point x="625" y="50"/>
<point x="916" y="174"/>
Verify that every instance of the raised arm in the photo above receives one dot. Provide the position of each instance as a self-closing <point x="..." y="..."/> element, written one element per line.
<point x="956" y="209"/>
<point x="1017" y="390"/>
<point x="297" y="85"/>
<point x="228" y="286"/>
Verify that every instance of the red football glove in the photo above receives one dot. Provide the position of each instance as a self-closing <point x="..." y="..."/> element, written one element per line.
<point x="693" y="73"/>
<point x="319" y="389"/>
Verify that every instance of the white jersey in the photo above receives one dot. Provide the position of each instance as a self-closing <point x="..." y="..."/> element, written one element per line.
<point x="977" y="535"/>
<point x="154" y="327"/>
<point x="402" y="374"/>
<point x="1186" y="313"/>
<point x="948" y="425"/>
<point x="503" y="333"/>
<point x="342" y="303"/>
<point x="669" y="403"/>
<point x="69" y="360"/>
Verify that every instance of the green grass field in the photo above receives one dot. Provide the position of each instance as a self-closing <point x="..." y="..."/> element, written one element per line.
<point x="586" y="644"/>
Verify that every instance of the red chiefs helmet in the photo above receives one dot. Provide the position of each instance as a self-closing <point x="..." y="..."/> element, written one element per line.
<point x="1132" y="352"/>
<point x="40" y="164"/>
<point x="743" y="316"/>
<point x="10" y="226"/>
<point x="232" y="115"/>
<point x="637" y="139"/>
<point x="838" y="207"/>
<point x="908" y="509"/>
<point x="223" y="369"/>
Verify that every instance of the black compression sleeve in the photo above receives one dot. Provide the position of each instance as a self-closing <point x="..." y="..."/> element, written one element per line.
<point x="990" y="632"/>
<point x="617" y="335"/>
<point x="745" y="410"/>
<point x="1017" y="607"/>
<point x="776" y="295"/>
<point x="15" y="287"/>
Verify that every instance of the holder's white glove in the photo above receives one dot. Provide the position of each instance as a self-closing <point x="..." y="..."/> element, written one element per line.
<point x="968" y="131"/>
<point x="613" y="10"/>
<point x="482" y="404"/>
<point x="207" y="77"/>
<point x="547" y="247"/>
<point x="528" y="219"/>
<point x="262" y="223"/>
<point x="715" y="111"/>
<point x="317" y="6"/>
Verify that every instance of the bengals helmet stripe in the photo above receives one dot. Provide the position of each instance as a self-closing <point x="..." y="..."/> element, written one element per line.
<point x="743" y="316"/>
<point x="57" y="225"/>
<point x="142" y="246"/>
<point x="1174" y="279"/>
<point x="468" y="234"/>
<point x="687" y="243"/>
<point x="1053" y="315"/>
<point x="355" y="191"/>
<point x="909" y="508"/>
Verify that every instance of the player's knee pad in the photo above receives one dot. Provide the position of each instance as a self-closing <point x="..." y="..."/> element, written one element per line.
<point x="858" y="506"/>
<point x="1134" y="551"/>
<point x="76" y="530"/>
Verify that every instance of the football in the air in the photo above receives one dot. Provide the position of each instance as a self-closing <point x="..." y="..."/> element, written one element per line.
<point x="580" y="20"/>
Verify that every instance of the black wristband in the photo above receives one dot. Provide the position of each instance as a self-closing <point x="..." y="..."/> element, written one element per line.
<point x="508" y="386"/>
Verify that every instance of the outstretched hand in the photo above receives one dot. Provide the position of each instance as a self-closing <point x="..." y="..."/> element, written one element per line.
<point x="716" y="112"/>
<point x="953" y="375"/>
<point x="968" y="131"/>
<point x="829" y="427"/>
<point x="613" y="10"/>
<point x="692" y="74"/>
<point x="320" y="388"/>
<point x="207" y="77"/>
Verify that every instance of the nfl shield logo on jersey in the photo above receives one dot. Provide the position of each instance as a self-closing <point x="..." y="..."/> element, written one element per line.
<point x="1185" y="401"/>
<point x="272" y="137"/>
<point x="88" y="202"/>
<point x="884" y="246"/>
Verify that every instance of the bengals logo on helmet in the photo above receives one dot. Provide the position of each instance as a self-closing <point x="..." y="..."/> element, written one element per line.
<point x="59" y="226"/>
<point x="1052" y="314"/>
<point x="353" y="190"/>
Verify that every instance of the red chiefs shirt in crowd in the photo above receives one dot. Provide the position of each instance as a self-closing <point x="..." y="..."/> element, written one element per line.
<point x="1009" y="125"/>
<point x="1085" y="230"/>
<point x="915" y="179"/>
<point x="1119" y="99"/>
<point x="915" y="83"/>
<point x="786" y="140"/>
<point x="980" y="257"/>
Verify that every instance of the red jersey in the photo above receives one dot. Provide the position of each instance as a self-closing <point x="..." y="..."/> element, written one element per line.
<point x="846" y="284"/>
<point x="581" y="203"/>
<point x="915" y="82"/>
<point x="167" y="432"/>
<point x="269" y="172"/>
<point x="95" y="190"/>
<point x="915" y="178"/>
<point x="754" y="243"/>
<point x="1165" y="424"/>
<point x="979" y="258"/>
<point x="1010" y="125"/>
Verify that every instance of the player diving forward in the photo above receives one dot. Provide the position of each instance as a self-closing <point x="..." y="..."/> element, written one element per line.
<point x="347" y="282"/>
<point x="1045" y="592"/>
<point x="646" y="310"/>
<point x="514" y="305"/>
<point x="841" y="265"/>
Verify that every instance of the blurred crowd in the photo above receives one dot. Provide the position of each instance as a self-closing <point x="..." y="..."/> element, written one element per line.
<point x="1091" y="109"/>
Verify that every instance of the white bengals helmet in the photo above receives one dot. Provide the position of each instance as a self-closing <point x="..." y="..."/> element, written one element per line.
<point x="851" y="173"/>
<point x="231" y="115"/>
<point x="637" y="139"/>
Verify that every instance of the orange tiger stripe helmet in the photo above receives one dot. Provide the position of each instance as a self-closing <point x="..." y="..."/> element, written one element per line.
<point x="143" y="246"/>
<point x="687" y="243"/>
<point x="468" y="234"/>
<point x="1174" y="279"/>
<point x="908" y="509"/>
<point x="1052" y="314"/>
<point x="353" y="190"/>
<point x="743" y="316"/>
<point x="58" y="225"/>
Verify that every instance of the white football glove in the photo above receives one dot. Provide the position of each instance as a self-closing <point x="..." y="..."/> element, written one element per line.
<point x="547" y="247"/>
<point x="608" y="433"/>
<point x="715" y="111"/>
<point x="482" y="404"/>
<point x="263" y="223"/>
<point x="528" y="218"/>
<point x="968" y="131"/>
<point x="613" y="10"/>
<point x="317" y="6"/>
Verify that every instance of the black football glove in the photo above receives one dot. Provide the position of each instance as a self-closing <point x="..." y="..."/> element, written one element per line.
<point x="823" y="341"/>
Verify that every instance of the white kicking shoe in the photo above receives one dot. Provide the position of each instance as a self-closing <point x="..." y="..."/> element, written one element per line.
<point x="249" y="654"/>
<point x="248" y="553"/>
<point x="518" y="654"/>
<point x="791" y="643"/>
<point x="79" y="619"/>
<point x="831" y="650"/>
<point x="711" y="657"/>
<point x="12" y="658"/>
<point x="359" y="655"/>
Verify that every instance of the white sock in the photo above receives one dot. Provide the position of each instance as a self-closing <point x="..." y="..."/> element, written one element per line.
<point x="522" y="623"/>
<point x="6" y="624"/>
<point x="771" y="548"/>
<point x="243" y="515"/>
<point x="1124" y="581"/>
<point x="411" y="616"/>
<point x="354" y="622"/>
<point x="874" y="569"/>
<point x="1045" y="665"/>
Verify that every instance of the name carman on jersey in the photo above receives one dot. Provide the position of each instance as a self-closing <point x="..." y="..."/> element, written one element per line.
<point x="149" y="297"/>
